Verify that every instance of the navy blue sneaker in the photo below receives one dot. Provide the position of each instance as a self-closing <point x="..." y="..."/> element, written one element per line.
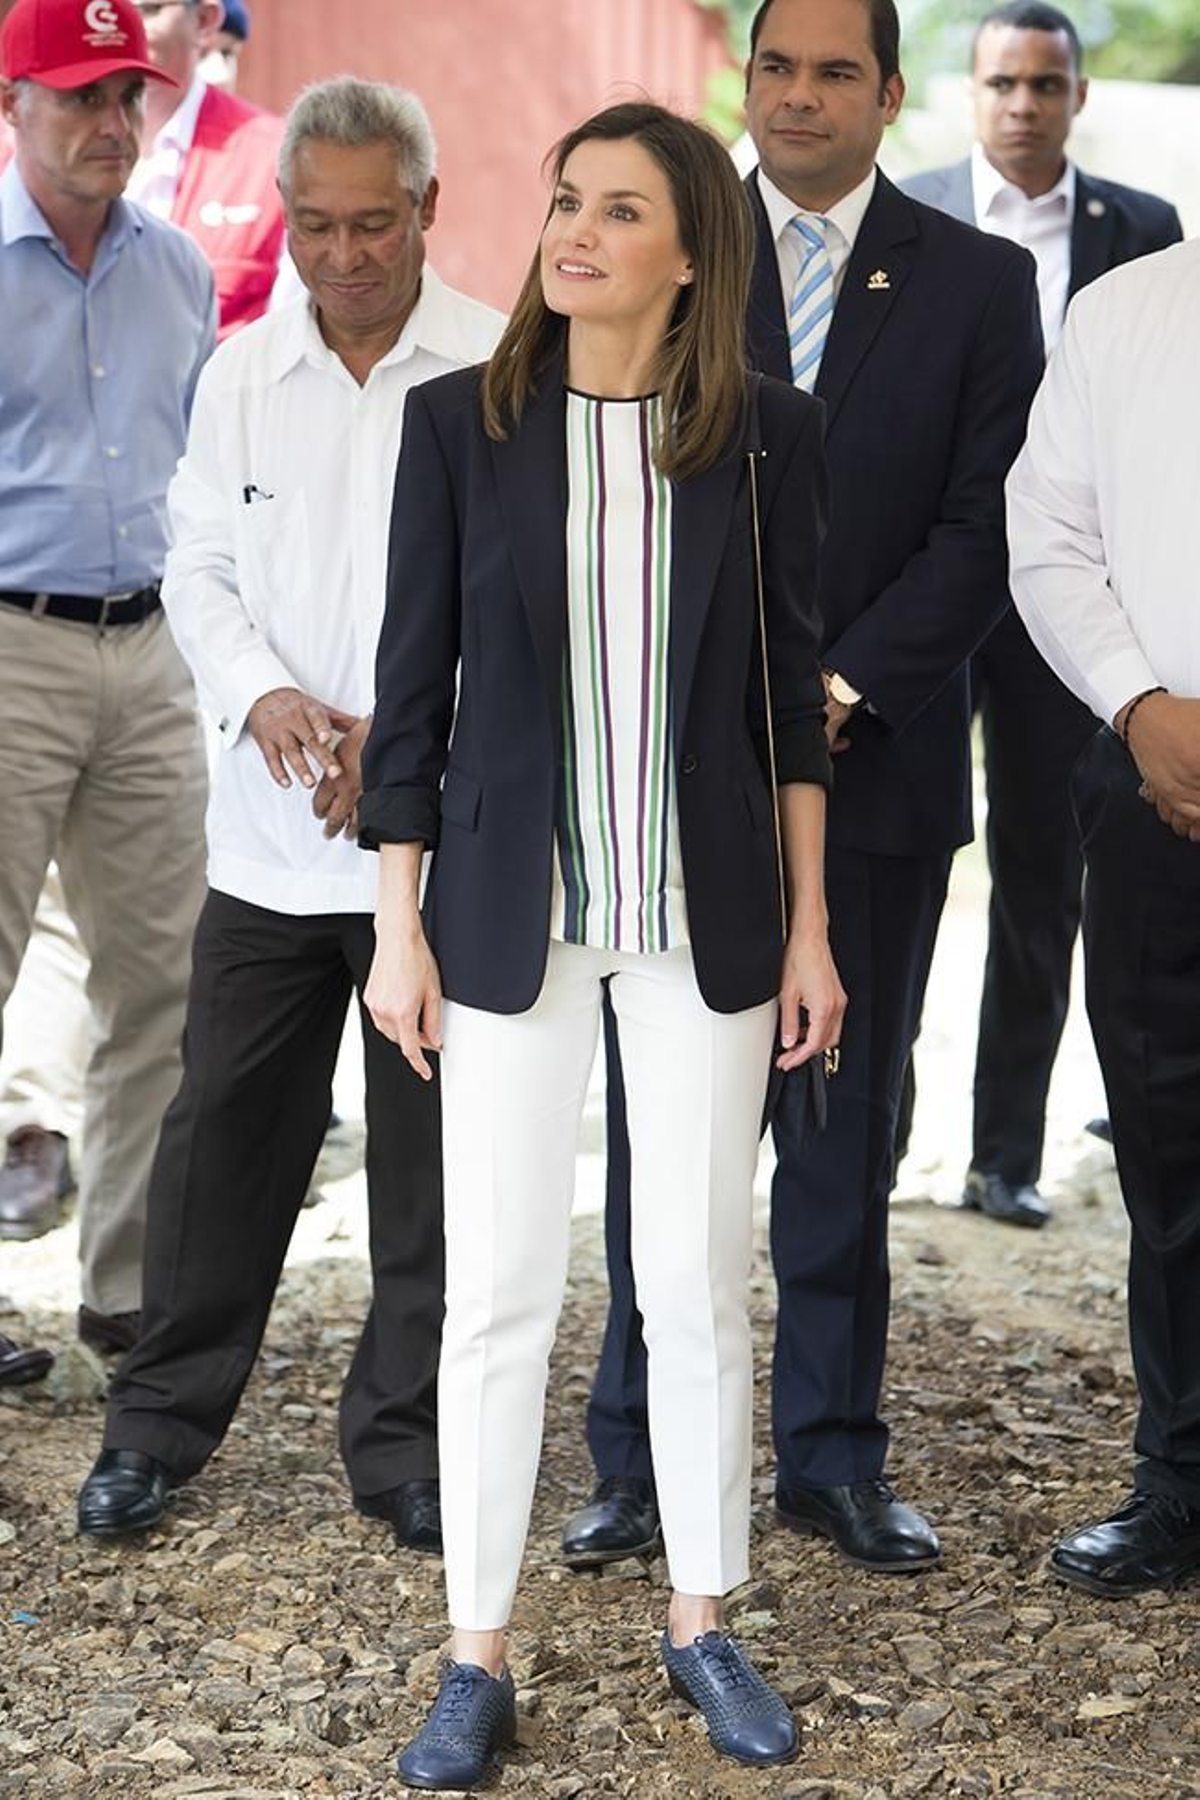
<point x="473" y="1716"/>
<point x="746" y="1719"/>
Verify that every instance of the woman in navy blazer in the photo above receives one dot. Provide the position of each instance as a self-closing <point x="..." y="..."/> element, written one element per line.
<point x="571" y="714"/>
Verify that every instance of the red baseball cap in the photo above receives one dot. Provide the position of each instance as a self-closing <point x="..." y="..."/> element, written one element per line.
<point x="69" y="43"/>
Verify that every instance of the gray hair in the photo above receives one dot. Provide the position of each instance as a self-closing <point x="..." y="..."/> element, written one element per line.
<point x="355" y="113"/>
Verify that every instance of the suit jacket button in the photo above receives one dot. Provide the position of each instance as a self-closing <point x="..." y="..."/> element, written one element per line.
<point x="689" y="765"/>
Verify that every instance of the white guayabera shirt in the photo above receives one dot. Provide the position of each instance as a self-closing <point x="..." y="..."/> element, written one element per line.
<point x="279" y="514"/>
<point x="1102" y="501"/>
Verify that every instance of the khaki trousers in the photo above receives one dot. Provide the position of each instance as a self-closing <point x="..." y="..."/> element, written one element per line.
<point x="44" y="1061"/>
<point x="102" y="769"/>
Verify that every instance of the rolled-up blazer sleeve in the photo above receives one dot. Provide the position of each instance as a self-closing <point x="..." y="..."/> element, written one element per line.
<point x="417" y="659"/>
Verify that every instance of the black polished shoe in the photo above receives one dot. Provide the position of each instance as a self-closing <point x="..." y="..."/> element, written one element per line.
<point x="620" y="1520"/>
<point x="126" y="1491"/>
<point x="865" y="1521"/>
<point x="413" y="1510"/>
<point x="746" y="1719"/>
<point x="473" y="1717"/>
<point x="1010" y="1202"/>
<point x="112" y="1334"/>
<point x="18" y="1365"/>
<point x="1101" y="1128"/>
<point x="1152" y="1541"/>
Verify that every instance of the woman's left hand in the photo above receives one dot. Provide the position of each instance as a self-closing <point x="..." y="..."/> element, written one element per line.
<point x="810" y="990"/>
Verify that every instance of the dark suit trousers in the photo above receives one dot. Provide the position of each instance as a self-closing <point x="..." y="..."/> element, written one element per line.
<point x="266" y="1009"/>
<point x="1033" y="731"/>
<point x="1141" y="935"/>
<point x="828" y="1202"/>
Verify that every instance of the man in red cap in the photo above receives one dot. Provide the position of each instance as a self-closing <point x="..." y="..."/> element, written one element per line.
<point x="109" y="316"/>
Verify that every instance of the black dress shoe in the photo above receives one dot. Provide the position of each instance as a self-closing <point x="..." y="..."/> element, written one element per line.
<point x="17" y="1366"/>
<point x="620" y="1520"/>
<point x="413" y="1510"/>
<point x="112" y="1334"/>
<point x="126" y="1491"/>
<point x="1100" y="1128"/>
<point x="865" y="1521"/>
<point x="1012" y="1203"/>
<point x="34" y="1181"/>
<point x="1152" y="1541"/>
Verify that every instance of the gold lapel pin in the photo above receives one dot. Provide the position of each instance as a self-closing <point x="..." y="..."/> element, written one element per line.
<point x="878" y="283"/>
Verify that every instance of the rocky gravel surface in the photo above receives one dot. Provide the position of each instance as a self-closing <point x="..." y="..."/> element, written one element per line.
<point x="268" y="1644"/>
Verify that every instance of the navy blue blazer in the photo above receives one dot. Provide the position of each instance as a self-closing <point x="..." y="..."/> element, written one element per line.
<point x="1111" y="224"/>
<point x="933" y="357"/>
<point x="465" y="752"/>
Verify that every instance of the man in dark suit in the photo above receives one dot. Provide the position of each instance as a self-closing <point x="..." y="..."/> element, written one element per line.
<point x="921" y="337"/>
<point x="1019" y="183"/>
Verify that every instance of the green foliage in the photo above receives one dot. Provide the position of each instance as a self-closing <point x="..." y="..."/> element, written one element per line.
<point x="1124" y="40"/>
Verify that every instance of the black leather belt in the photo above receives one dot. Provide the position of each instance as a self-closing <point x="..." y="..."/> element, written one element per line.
<point x="83" y="609"/>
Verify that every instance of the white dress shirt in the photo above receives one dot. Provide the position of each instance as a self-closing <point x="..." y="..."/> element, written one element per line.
<point x="844" y="221"/>
<point x="1042" y="225"/>
<point x="1104" y="500"/>
<point x="155" y="179"/>
<point x="279" y="512"/>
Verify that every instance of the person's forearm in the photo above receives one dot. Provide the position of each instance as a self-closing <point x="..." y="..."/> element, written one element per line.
<point x="397" y="908"/>
<point x="802" y="826"/>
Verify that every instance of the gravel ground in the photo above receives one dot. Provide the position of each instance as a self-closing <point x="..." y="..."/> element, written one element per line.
<point x="268" y="1644"/>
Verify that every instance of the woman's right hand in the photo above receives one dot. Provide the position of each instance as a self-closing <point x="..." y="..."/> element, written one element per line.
<point x="404" y="995"/>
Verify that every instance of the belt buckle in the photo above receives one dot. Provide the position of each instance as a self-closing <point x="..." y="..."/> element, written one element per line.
<point x="113" y="600"/>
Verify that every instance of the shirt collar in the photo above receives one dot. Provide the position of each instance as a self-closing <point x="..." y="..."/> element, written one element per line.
<point x="432" y="325"/>
<point x="988" y="186"/>
<point x="847" y="213"/>
<point x="22" y="217"/>
<point x="179" y="130"/>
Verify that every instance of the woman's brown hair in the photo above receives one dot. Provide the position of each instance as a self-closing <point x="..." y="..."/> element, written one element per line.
<point x="701" y="371"/>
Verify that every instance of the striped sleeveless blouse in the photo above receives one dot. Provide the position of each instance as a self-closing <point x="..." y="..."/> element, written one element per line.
<point x="618" y="874"/>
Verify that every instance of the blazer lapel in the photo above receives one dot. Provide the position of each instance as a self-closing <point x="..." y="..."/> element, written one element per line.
<point x="700" y="523"/>
<point x="766" y="322"/>
<point x="1091" y="234"/>
<point x="531" y="478"/>
<point x="878" y="268"/>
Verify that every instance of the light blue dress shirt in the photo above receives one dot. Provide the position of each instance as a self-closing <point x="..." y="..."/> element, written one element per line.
<point x="97" y="374"/>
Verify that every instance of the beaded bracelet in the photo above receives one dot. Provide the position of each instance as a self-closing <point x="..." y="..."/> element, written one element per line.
<point x="1133" y="706"/>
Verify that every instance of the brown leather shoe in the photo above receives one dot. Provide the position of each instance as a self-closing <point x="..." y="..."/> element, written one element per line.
<point x="34" y="1181"/>
<point x="18" y="1366"/>
<point x="112" y="1334"/>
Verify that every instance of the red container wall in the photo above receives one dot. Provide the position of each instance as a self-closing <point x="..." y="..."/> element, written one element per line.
<point x="502" y="79"/>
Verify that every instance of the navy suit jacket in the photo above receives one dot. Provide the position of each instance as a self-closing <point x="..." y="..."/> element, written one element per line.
<point x="1112" y="224"/>
<point x="465" y="752"/>
<point x="933" y="357"/>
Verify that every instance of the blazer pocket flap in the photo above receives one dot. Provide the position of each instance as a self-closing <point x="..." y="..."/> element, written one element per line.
<point x="461" y="795"/>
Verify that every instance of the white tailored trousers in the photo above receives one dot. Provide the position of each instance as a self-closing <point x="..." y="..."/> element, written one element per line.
<point x="513" y="1089"/>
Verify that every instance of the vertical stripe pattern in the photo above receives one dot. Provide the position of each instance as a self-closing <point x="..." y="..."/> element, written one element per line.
<point x="812" y="300"/>
<point x="618" y="881"/>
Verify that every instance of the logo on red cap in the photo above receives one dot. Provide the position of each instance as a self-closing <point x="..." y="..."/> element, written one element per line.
<point x="103" y="24"/>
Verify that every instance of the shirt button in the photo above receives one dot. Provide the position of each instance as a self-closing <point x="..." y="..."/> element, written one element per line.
<point x="111" y="450"/>
<point x="122" y="531"/>
<point x="690" y="764"/>
<point x="99" y="371"/>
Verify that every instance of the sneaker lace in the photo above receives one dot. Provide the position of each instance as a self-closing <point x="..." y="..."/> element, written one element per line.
<point x="722" y="1661"/>
<point x="454" y="1701"/>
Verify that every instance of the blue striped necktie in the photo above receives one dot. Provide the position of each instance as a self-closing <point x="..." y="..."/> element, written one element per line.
<point x="812" y="300"/>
